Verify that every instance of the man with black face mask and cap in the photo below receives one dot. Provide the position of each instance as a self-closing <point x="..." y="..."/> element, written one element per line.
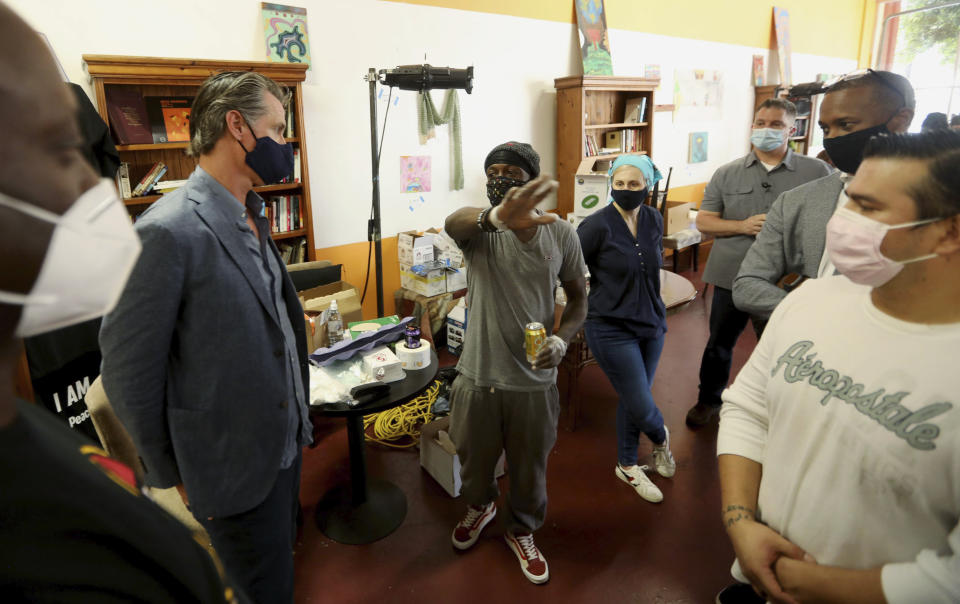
<point x="500" y="401"/>
<point x="204" y="358"/>
<point x="855" y="108"/>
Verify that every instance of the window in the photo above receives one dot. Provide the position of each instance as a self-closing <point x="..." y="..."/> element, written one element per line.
<point x="919" y="39"/>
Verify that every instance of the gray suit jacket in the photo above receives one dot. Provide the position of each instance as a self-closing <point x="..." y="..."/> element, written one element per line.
<point x="791" y="241"/>
<point x="193" y="355"/>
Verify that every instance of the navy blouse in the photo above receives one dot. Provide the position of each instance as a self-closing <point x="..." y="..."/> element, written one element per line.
<point x="625" y="270"/>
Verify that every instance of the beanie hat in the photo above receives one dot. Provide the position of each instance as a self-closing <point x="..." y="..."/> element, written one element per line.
<point x="515" y="154"/>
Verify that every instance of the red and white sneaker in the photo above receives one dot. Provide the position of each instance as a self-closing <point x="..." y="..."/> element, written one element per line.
<point x="468" y="530"/>
<point x="532" y="562"/>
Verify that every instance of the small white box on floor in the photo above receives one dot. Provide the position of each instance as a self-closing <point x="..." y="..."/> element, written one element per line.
<point x="438" y="456"/>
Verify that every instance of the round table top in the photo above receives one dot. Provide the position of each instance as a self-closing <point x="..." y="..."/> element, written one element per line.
<point x="402" y="391"/>
<point x="675" y="290"/>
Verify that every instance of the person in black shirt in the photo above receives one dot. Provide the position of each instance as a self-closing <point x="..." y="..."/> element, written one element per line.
<point x="74" y="524"/>
<point x="626" y="320"/>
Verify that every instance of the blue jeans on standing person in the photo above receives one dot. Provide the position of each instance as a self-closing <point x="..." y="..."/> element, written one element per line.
<point x="630" y="363"/>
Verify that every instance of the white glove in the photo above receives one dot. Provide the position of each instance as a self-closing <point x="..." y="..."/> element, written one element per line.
<point x="551" y="353"/>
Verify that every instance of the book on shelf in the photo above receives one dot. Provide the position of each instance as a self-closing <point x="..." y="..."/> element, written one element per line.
<point x="614" y="140"/>
<point x="123" y="180"/>
<point x="169" y="118"/>
<point x="283" y="213"/>
<point x="636" y="110"/>
<point x="150" y="179"/>
<point x="293" y="252"/>
<point x="290" y="131"/>
<point x="165" y="186"/>
<point x="296" y="165"/>
<point x="128" y="116"/>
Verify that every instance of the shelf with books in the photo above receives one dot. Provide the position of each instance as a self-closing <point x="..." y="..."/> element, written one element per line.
<point x="179" y="145"/>
<point x="589" y="108"/>
<point x="130" y="91"/>
<point x="289" y="234"/>
<point x="620" y="125"/>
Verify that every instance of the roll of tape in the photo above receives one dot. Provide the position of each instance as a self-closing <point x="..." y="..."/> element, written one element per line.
<point x="414" y="358"/>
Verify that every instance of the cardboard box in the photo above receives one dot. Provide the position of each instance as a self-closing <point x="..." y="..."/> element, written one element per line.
<point x="589" y="188"/>
<point x="415" y="247"/>
<point x="433" y="284"/>
<point x="383" y="364"/>
<point x="677" y="217"/>
<point x="457" y="328"/>
<point x="456" y="279"/>
<point x="438" y="456"/>
<point x="317" y="299"/>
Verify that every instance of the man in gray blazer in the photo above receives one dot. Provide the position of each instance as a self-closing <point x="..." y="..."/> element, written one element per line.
<point x="204" y="357"/>
<point x="857" y="107"/>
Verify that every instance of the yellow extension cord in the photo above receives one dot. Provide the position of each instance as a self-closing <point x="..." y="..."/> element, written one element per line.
<point x="403" y="421"/>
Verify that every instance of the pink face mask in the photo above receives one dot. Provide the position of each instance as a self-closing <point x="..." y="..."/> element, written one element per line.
<point x="853" y="242"/>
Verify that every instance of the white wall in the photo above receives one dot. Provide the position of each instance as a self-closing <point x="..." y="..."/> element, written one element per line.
<point x="515" y="59"/>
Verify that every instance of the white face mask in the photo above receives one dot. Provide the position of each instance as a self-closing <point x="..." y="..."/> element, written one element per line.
<point x="92" y="251"/>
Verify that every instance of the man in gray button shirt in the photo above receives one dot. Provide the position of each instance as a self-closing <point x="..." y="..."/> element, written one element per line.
<point x="204" y="357"/>
<point x="734" y="208"/>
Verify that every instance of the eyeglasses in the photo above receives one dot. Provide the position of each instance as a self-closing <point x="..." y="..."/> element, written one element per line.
<point x="864" y="73"/>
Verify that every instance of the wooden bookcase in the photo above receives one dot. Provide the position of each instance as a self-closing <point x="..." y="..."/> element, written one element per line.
<point x="182" y="77"/>
<point x="806" y="113"/>
<point x="595" y="105"/>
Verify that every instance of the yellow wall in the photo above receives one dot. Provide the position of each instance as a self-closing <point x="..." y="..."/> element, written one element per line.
<point x="821" y="27"/>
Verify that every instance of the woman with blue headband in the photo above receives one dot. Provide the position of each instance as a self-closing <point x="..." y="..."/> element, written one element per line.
<point x="626" y="320"/>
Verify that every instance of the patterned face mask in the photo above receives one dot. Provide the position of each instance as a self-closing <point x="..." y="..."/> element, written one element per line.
<point x="497" y="187"/>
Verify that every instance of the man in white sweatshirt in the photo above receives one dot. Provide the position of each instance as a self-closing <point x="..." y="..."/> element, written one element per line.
<point x="839" y="443"/>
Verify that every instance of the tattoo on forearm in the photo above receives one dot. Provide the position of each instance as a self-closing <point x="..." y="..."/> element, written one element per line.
<point x="730" y="521"/>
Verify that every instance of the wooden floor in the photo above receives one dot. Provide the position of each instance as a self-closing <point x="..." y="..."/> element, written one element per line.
<point x="602" y="542"/>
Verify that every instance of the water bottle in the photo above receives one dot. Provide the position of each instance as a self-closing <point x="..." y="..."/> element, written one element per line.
<point x="334" y="324"/>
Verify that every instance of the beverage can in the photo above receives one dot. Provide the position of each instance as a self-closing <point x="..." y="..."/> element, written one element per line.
<point x="412" y="335"/>
<point x="533" y="334"/>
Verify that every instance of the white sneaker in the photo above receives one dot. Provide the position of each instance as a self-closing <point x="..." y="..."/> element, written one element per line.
<point x="635" y="477"/>
<point x="663" y="459"/>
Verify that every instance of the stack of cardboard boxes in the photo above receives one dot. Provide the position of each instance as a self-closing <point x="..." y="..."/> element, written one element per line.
<point x="418" y="248"/>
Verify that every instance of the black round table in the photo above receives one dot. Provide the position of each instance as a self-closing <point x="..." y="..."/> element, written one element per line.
<point x="365" y="510"/>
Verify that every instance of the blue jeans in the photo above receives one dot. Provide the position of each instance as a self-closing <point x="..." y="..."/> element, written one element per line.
<point x="629" y="363"/>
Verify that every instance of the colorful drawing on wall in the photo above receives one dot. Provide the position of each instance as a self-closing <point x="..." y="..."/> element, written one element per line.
<point x="415" y="173"/>
<point x="698" y="94"/>
<point x="594" y="45"/>
<point x="698" y="148"/>
<point x="651" y="71"/>
<point x="781" y="24"/>
<point x="285" y="31"/>
<point x="759" y="71"/>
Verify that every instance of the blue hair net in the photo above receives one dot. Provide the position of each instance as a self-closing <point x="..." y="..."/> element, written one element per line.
<point x="650" y="172"/>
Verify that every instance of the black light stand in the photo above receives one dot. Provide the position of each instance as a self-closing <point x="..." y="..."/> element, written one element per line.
<point x="405" y="77"/>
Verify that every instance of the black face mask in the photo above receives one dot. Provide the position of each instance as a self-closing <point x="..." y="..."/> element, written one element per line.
<point x="846" y="152"/>
<point x="269" y="159"/>
<point x="627" y="199"/>
<point x="497" y="187"/>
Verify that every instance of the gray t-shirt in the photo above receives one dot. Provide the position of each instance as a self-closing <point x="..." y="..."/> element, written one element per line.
<point x="510" y="284"/>
<point x="737" y="192"/>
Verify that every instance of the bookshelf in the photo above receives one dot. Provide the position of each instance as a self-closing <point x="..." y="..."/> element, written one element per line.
<point x="593" y="106"/>
<point x="163" y="77"/>
<point x="806" y="113"/>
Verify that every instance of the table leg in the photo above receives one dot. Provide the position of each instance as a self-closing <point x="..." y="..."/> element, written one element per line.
<point x="363" y="510"/>
<point x="696" y="257"/>
<point x="676" y="254"/>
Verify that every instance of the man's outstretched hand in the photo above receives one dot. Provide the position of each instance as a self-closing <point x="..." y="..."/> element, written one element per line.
<point x="517" y="210"/>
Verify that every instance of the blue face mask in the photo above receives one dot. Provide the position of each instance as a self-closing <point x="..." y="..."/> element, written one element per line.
<point x="269" y="159"/>
<point x="767" y="139"/>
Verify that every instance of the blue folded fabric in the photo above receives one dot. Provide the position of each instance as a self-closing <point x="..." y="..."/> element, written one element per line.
<point x="365" y="341"/>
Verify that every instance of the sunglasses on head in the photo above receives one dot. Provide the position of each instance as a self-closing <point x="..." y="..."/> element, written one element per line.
<point x="865" y="73"/>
